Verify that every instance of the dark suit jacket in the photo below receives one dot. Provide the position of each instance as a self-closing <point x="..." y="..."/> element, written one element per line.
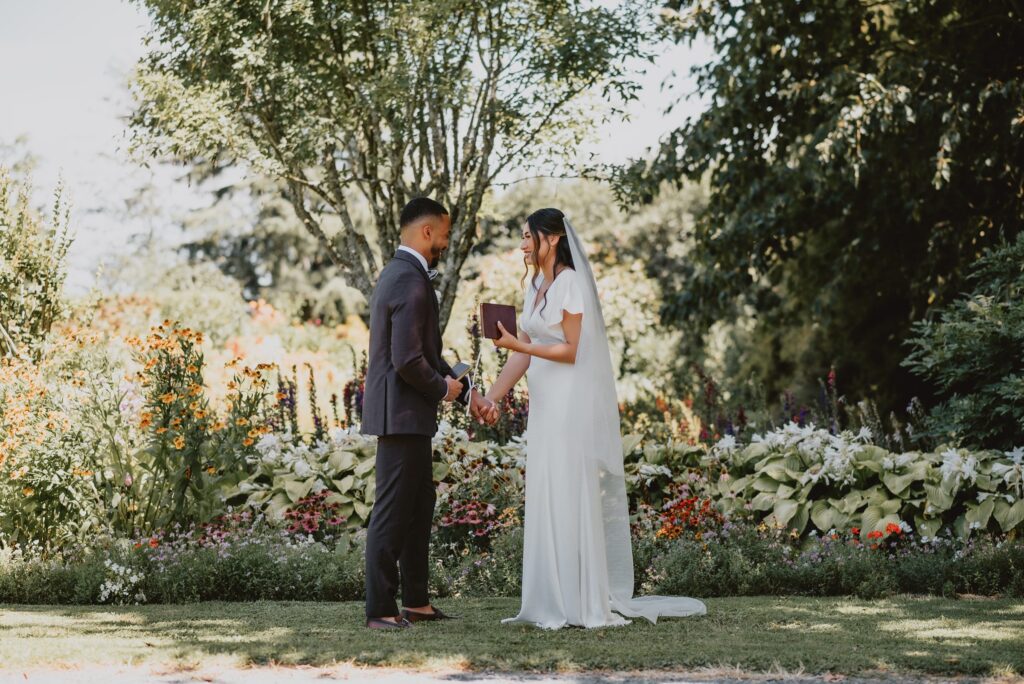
<point x="405" y="372"/>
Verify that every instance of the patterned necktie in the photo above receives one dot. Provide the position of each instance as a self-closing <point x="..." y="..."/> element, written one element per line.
<point x="432" y="273"/>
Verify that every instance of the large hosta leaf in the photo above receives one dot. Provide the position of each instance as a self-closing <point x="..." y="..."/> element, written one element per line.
<point x="765" y="484"/>
<point x="763" y="501"/>
<point x="938" y="498"/>
<point x="775" y="470"/>
<point x="898" y="484"/>
<point x="784" y="511"/>
<point x="365" y="467"/>
<point x="979" y="515"/>
<point x="361" y="509"/>
<point x="440" y="471"/>
<point x="344" y="485"/>
<point x="826" y="516"/>
<point x="1008" y="516"/>
<point x="343" y="461"/>
<point x="297" y="489"/>
<point x="927" y="527"/>
<point x="875" y="518"/>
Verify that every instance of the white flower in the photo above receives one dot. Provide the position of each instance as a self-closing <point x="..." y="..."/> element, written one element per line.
<point x="727" y="444"/>
<point x="318" y="486"/>
<point x="864" y="434"/>
<point x="301" y="468"/>
<point x="1017" y="455"/>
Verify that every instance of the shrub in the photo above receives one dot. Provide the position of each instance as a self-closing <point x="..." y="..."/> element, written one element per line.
<point x="974" y="355"/>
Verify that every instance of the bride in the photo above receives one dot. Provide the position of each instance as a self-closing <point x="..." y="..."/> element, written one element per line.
<point x="577" y="557"/>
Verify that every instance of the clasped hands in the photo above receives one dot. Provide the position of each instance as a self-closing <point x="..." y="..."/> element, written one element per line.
<point x="482" y="408"/>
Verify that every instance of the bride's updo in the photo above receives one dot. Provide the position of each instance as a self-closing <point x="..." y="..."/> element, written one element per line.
<point x="548" y="222"/>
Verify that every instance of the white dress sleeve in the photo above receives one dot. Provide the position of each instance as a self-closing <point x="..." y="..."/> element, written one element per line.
<point x="572" y="298"/>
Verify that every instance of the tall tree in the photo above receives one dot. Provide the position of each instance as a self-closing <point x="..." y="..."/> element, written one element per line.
<point x="348" y="101"/>
<point x="860" y="156"/>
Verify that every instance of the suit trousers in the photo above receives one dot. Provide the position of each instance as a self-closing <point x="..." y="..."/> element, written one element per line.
<point x="400" y="522"/>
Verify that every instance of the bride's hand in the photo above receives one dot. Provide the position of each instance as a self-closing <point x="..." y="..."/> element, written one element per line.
<point x="507" y="339"/>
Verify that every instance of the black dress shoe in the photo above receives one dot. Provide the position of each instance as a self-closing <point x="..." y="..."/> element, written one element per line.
<point x="413" y="616"/>
<point x="381" y="623"/>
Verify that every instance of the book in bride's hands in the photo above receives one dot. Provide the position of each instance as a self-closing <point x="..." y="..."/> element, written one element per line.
<point x="490" y="314"/>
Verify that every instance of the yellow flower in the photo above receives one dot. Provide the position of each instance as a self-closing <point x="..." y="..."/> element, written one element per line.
<point x="168" y="398"/>
<point x="179" y="442"/>
<point x="211" y="470"/>
<point x="176" y="423"/>
<point x="241" y="420"/>
<point x="192" y="368"/>
<point x="199" y="415"/>
<point x="255" y="432"/>
<point x="28" y="491"/>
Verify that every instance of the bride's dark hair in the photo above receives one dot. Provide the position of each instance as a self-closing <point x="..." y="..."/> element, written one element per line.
<point x="548" y="222"/>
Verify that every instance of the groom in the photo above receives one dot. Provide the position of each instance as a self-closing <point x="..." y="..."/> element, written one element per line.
<point x="406" y="379"/>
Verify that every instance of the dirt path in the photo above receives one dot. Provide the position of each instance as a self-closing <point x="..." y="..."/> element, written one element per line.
<point x="349" y="673"/>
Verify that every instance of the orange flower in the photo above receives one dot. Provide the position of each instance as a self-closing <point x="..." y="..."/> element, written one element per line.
<point x="892" y="528"/>
<point x="176" y="423"/>
<point x="875" y="534"/>
<point x="247" y="442"/>
<point x="199" y="415"/>
<point x="192" y="368"/>
<point x="28" y="491"/>
<point x="161" y="430"/>
<point x="154" y="542"/>
<point x="168" y="398"/>
<point x="211" y="470"/>
<point x="179" y="442"/>
<point x="241" y="420"/>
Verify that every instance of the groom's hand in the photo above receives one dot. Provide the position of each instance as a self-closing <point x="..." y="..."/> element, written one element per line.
<point x="483" y="409"/>
<point x="454" y="389"/>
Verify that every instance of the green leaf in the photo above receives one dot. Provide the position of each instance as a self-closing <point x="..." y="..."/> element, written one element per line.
<point x="440" y="471"/>
<point x="765" y="484"/>
<point x="784" y="511"/>
<point x="297" y="489"/>
<point x="980" y="513"/>
<point x="1009" y="516"/>
<point x="927" y="527"/>
<point x="344" y="485"/>
<point x="342" y="461"/>
<point x="763" y="501"/>
<point x="898" y="484"/>
<point x="361" y="509"/>
<point x="365" y="467"/>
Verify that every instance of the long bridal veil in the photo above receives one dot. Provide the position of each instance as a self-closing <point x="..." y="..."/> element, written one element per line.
<point x="594" y="416"/>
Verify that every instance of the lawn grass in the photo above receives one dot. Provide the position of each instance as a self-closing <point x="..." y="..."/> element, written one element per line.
<point x="899" y="635"/>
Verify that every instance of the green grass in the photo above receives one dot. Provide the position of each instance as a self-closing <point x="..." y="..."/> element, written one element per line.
<point x="905" y="634"/>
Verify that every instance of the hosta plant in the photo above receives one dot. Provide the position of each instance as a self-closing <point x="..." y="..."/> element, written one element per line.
<point x="799" y="476"/>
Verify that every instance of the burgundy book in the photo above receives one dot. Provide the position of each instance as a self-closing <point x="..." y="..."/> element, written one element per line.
<point x="490" y="314"/>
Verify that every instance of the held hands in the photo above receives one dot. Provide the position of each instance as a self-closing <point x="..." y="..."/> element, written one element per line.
<point x="483" y="409"/>
<point x="454" y="389"/>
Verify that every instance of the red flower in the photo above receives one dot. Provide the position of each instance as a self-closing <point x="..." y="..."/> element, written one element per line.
<point x="875" y="534"/>
<point x="893" y="528"/>
<point x="855" y="531"/>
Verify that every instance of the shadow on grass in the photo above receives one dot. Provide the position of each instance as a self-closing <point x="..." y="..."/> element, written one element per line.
<point x="754" y="633"/>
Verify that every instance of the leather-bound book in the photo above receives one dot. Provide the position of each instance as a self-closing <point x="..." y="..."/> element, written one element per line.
<point x="490" y="314"/>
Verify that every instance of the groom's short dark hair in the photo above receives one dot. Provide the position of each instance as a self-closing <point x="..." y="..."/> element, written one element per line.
<point x="418" y="208"/>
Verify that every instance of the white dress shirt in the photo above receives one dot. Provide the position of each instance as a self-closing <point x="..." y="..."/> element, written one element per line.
<point x="410" y="250"/>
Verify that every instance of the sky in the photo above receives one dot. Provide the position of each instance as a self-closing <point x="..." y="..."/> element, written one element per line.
<point x="63" y="87"/>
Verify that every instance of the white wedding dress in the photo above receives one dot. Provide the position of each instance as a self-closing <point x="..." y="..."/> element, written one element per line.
<point x="577" y="554"/>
